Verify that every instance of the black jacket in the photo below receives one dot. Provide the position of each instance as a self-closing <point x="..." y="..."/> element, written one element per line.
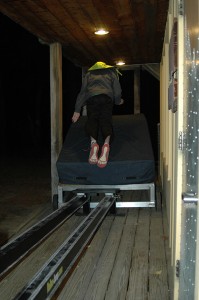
<point x="96" y="82"/>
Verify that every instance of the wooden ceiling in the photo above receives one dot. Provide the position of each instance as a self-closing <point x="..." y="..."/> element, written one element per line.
<point x="136" y="27"/>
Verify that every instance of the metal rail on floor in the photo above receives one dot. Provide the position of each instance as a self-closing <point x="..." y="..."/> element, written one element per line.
<point x="15" y="250"/>
<point x="48" y="279"/>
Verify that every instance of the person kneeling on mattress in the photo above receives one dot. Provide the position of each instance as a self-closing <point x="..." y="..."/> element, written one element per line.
<point x="99" y="92"/>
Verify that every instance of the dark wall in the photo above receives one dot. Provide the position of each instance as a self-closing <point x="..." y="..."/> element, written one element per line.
<point x="150" y="106"/>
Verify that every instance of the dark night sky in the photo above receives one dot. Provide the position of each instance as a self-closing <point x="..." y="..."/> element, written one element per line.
<point x="25" y="92"/>
<point x="24" y="82"/>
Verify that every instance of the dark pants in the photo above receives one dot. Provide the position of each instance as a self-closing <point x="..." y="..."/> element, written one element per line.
<point x="99" y="116"/>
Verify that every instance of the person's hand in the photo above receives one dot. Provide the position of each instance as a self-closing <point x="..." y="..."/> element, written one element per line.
<point x="75" y="117"/>
<point x="121" y="101"/>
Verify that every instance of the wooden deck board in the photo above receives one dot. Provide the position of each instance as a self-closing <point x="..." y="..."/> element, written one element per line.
<point x="138" y="279"/>
<point x="167" y="252"/>
<point x="25" y="192"/>
<point x="158" y="283"/>
<point x="78" y="283"/>
<point x="127" y="259"/>
<point x="118" y="284"/>
<point x="100" y="279"/>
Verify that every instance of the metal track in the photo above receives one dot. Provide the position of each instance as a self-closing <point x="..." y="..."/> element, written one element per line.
<point x="14" y="251"/>
<point x="48" y="279"/>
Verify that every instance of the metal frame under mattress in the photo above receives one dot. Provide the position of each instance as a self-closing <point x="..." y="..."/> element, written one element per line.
<point x="131" y="163"/>
<point x="109" y="189"/>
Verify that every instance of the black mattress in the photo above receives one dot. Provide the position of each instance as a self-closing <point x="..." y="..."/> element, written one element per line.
<point x="131" y="158"/>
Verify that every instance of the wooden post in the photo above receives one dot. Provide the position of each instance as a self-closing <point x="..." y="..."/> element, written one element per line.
<point x="56" y="110"/>
<point x="137" y="91"/>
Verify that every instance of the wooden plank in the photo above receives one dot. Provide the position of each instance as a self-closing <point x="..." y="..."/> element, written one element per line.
<point x="56" y="109"/>
<point x="14" y="220"/>
<point x="67" y="23"/>
<point x="134" y="195"/>
<point x="25" y="193"/>
<point x="99" y="282"/>
<point x="119" y="278"/>
<point x="138" y="279"/>
<point x="78" y="283"/>
<point x="19" y="218"/>
<point x="158" y="281"/>
<point x="22" y="274"/>
<point x="43" y="210"/>
<point x="167" y="251"/>
<point x="20" y="14"/>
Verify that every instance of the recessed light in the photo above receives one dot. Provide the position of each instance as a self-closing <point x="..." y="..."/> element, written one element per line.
<point x="101" y="32"/>
<point x="120" y="63"/>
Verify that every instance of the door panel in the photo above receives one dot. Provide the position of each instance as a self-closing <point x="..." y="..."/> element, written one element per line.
<point x="189" y="247"/>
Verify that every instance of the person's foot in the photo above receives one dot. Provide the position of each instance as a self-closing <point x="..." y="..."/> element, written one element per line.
<point x="103" y="160"/>
<point x="93" y="156"/>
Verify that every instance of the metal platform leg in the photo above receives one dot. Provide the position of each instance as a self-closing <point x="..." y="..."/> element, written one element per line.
<point x="152" y="192"/>
<point x="60" y="196"/>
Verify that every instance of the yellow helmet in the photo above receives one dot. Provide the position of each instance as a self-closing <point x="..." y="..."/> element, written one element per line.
<point x="100" y="65"/>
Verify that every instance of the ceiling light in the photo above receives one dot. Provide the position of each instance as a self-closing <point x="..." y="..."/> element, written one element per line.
<point x="101" y="32"/>
<point x="120" y="63"/>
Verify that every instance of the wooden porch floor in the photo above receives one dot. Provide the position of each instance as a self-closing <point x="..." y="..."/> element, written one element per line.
<point x="128" y="258"/>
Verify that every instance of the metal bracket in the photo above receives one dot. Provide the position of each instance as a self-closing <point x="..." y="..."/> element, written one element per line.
<point x="181" y="140"/>
<point x="190" y="198"/>
<point x="178" y="268"/>
<point x="181" y="7"/>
